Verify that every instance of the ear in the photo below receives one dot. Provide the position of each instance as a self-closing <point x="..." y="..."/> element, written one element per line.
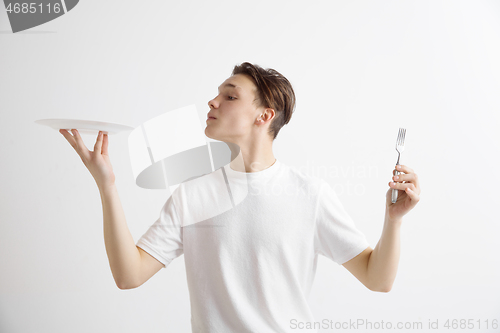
<point x="268" y="114"/>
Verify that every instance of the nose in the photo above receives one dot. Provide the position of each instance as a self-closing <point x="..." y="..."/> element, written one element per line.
<point x="213" y="103"/>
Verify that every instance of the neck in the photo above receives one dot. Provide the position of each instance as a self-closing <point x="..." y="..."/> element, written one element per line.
<point x="251" y="158"/>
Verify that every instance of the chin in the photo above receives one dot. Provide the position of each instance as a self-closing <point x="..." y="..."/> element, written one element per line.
<point x="208" y="135"/>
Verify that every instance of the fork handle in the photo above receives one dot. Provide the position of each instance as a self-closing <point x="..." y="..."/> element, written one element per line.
<point x="394" y="191"/>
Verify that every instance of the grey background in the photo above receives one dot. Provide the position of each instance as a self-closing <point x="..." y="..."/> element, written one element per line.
<point x="360" y="69"/>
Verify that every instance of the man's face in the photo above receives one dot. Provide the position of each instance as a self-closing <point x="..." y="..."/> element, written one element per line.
<point x="237" y="117"/>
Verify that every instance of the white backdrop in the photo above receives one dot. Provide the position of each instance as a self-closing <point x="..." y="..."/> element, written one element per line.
<point x="360" y="70"/>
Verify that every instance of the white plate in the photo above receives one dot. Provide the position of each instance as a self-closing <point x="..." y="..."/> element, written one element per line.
<point x="84" y="126"/>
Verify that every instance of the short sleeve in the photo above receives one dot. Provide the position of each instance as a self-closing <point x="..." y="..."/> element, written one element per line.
<point x="336" y="237"/>
<point x="163" y="239"/>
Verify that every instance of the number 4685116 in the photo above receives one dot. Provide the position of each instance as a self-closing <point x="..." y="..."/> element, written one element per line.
<point x="470" y="324"/>
<point x="33" y="8"/>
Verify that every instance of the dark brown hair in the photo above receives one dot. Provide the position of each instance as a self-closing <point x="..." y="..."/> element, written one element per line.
<point x="273" y="91"/>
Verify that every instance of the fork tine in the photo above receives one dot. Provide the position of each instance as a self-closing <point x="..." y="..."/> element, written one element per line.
<point x="404" y="134"/>
<point x="398" y="141"/>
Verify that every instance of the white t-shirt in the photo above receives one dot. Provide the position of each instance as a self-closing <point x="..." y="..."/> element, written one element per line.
<point x="250" y="267"/>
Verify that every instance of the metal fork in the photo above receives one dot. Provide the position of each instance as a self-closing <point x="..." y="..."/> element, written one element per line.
<point x="400" y="146"/>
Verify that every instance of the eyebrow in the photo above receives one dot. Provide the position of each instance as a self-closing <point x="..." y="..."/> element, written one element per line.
<point x="229" y="85"/>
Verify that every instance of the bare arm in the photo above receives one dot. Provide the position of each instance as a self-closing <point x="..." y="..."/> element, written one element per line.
<point x="124" y="257"/>
<point x="130" y="265"/>
<point x="384" y="260"/>
<point x="377" y="268"/>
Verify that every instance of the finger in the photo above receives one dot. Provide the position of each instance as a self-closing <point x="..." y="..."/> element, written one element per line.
<point x="80" y="146"/>
<point x="68" y="137"/>
<point x="105" y="144"/>
<point x="402" y="186"/>
<point x="98" y="143"/>
<point x="411" y="177"/>
<point x="404" y="168"/>
<point x="413" y="196"/>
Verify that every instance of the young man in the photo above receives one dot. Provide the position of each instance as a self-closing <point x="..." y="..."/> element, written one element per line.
<point x="250" y="268"/>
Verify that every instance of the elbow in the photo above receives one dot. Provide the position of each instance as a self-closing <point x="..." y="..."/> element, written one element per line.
<point x="125" y="286"/>
<point x="122" y="287"/>
<point x="382" y="289"/>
